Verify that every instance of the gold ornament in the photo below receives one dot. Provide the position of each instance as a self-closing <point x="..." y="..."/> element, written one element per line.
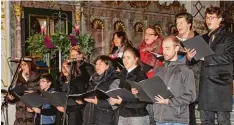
<point x="139" y="27"/>
<point x="158" y="29"/>
<point x="77" y="16"/>
<point x="17" y="9"/>
<point x="98" y="24"/>
<point x="119" y="25"/>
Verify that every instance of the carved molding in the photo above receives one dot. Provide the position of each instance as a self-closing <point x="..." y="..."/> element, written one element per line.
<point x="48" y="5"/>
<point x="139" y="4"/>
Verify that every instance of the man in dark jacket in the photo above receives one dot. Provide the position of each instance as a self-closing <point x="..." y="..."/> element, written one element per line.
<point x="180" y="81"/>
<point x="215" y="91"/>
<point x="184" y="23"/>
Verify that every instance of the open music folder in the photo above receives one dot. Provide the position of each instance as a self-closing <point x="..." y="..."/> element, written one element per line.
<point x="58" y="99"/>
<point x="157" y="56"/>
<point x="149" y="88"/>
<point x="122" y="92"/>
<point x="33" y="100"/>
<point x="200" y="45"/>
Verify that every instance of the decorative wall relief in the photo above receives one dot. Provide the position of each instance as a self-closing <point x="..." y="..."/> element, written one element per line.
<point x="98" y="34"/>
<point x="119" y="25"/>
<point x="158" y="27"/>
<point x="139" y="27"/>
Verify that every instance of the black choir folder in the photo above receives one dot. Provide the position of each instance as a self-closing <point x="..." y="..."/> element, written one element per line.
<point x="149" y="88"/>
<point x="158" y="56"/>
<point x="58" y="99"/>
<point x="122" y="92"/>
<point x="200" y="45"/>
<point x="33" y="100"/>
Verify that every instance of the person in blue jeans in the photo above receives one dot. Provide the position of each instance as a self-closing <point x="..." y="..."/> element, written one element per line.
<point x="179" y="79"/>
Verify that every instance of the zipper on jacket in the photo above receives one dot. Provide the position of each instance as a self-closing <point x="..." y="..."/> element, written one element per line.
<point x="90" y="117"/>
<point x="163" y="104"/>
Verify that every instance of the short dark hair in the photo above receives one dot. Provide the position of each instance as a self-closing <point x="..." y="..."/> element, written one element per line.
<point x="188" y="17"/>
<point x="214" y="10"/>
<point x="106" y="59"/>
<point x="134" y="51"/>
<point x="47" y="76"/>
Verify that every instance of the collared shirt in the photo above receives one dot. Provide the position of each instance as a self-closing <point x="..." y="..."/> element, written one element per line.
<point x="129" y="70"/>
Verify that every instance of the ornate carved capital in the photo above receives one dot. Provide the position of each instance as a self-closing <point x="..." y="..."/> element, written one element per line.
<point x="77" y="16"/>
<point x="17" y="9"/>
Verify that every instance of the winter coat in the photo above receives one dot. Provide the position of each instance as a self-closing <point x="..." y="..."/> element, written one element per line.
<point x="102" y="113"/>
<point x="132" y="108"/>
<point x="215" y="90"/>
<point x="180" y="81"/>
<point x="23" y="117"/>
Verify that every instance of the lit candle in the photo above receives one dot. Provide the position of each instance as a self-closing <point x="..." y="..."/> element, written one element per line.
<point x="42" y="30"/>
<point x="77" y="28"/>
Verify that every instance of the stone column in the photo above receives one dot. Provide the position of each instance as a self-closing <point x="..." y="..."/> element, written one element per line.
<point x="17" y="10"/>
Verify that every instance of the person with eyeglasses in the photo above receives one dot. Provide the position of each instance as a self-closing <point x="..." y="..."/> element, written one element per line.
<point x="215" y="89"/>
<point x="152" y="43"/>
<point x="28" y="81"/>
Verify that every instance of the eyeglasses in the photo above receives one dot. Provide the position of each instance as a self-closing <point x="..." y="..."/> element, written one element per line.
<point x="210" y="18"/>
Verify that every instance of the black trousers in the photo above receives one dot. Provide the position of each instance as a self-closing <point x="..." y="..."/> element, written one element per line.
<point x="208" y="117"/>
<point x="192" y="116"/>
<point x="75" y="118"/>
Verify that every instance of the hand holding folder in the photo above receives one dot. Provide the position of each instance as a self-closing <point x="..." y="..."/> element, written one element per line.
<point x="158" y="56"/>
<point x="200" y="45"/>
<point x="123" y="93"/>
<point x="58" y="99"/>
<point x="33" y="100"/>
<point x="149" y="88"/>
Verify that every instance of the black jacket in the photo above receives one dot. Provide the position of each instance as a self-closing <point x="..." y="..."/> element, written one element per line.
<point x="102" y="113"/>
<point x="215" y="92"/>
<point x="77" y="86"/>
<point x="132" y="108"/>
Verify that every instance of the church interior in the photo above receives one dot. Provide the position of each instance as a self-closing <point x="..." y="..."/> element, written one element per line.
<point x="46" y="30"/>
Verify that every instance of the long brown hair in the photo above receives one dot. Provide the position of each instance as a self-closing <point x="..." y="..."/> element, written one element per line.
<point x="124" y="40"/>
